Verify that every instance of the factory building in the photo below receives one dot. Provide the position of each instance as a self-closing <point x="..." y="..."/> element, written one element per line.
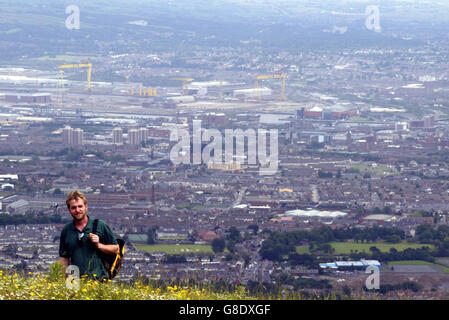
<point x="213" y="88"/>
<point x="334" y="112"/>
<point x="252" y="93"/>
<point x="182" y="99"/>
<point x="19" y="207"/>
<point x="350" y="265"/>
<point x="313" y="136"/>
<point x="29" y="98"/>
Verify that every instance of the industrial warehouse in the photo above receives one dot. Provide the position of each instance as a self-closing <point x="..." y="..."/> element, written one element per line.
<point x="350" y="265"/>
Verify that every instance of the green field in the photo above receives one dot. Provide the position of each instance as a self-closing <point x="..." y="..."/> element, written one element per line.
<point x="175" y="248"/>
<point x="172" y="238"/>
<point x="64" y="58"/>
<point x="418" y="263"/>
<point x="302" y="249"/>
<point x="346" y="247"/>
<point x="380" y="170"/>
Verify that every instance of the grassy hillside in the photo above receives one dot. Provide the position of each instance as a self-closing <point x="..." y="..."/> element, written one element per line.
<point x="53" y="286"/>
<point x="50" y="287"/>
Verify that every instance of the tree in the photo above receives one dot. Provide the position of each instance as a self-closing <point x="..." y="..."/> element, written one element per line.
<point x="254" y="227"/>
<point x="326" y="248"/>
<point x="338" y="176"/>
<point x="234" y="234"/>
<point x="424" y="233"/>
<point x="151" y="235"/>
<point x="218" y="245"/>
<point x="324" y="174"/>
<point x="393" y="239"/>
<point x="230" y="245"/>
<point x="374" y="249"/>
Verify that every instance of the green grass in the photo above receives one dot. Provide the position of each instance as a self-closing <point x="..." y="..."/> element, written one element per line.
<point x="302" y="249"/>
<point x="380" y="170"/>
<point x="418" y="263"/>
<point x="414" y="214"/>
<point x="174" y="248"/>
<point x="346" y="247"/>
<point x="172" y="238"/>
<point x="54" y="287"/>
<point x="189" y="206"/>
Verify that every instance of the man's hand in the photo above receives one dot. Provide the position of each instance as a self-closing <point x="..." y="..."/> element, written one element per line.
<point x="106" y="248"/>
<point x="95" y="239"/>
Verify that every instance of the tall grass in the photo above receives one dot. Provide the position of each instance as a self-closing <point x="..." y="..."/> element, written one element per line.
<point x="52" y="286"/>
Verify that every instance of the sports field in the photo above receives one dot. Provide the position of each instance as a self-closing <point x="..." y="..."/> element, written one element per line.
<point x="346" y="247"/>
<point x="175" y="248"/>
<point x="418" y="263"/>
<point x="380" y="170"/>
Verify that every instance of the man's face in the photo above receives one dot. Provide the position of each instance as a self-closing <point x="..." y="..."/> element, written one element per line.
<point x="77" y="209"/>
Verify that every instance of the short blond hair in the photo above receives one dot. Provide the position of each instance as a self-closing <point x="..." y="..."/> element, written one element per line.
<point x="75" y="195"/>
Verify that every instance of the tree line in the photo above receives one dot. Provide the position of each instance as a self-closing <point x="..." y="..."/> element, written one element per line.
<point x="279" y="244"/>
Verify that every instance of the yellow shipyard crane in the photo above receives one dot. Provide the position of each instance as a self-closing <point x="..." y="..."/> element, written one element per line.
<point x="185" y="82"/>
<point x="272" y="76"/>
<point x="80" y="65"/>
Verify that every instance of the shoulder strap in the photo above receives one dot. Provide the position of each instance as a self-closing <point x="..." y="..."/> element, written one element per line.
<point x="94" y="228"/>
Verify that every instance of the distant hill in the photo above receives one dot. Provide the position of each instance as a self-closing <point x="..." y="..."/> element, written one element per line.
<point x="32" y="30"/>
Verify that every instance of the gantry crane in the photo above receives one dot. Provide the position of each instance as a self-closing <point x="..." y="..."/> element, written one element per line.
<point x="185" y="82"/>
<point x="272" y="76"/>
<point x="81" y="65"/>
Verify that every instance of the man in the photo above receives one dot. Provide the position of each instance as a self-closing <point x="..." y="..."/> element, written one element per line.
<point x="79" y="246"/>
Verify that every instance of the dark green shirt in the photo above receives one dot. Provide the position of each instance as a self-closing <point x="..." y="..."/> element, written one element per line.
<point x="77" y="246"/>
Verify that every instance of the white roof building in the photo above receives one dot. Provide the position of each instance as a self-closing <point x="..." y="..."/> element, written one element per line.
<point x="315" y="213"/>
<point x="380" y="217"/>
